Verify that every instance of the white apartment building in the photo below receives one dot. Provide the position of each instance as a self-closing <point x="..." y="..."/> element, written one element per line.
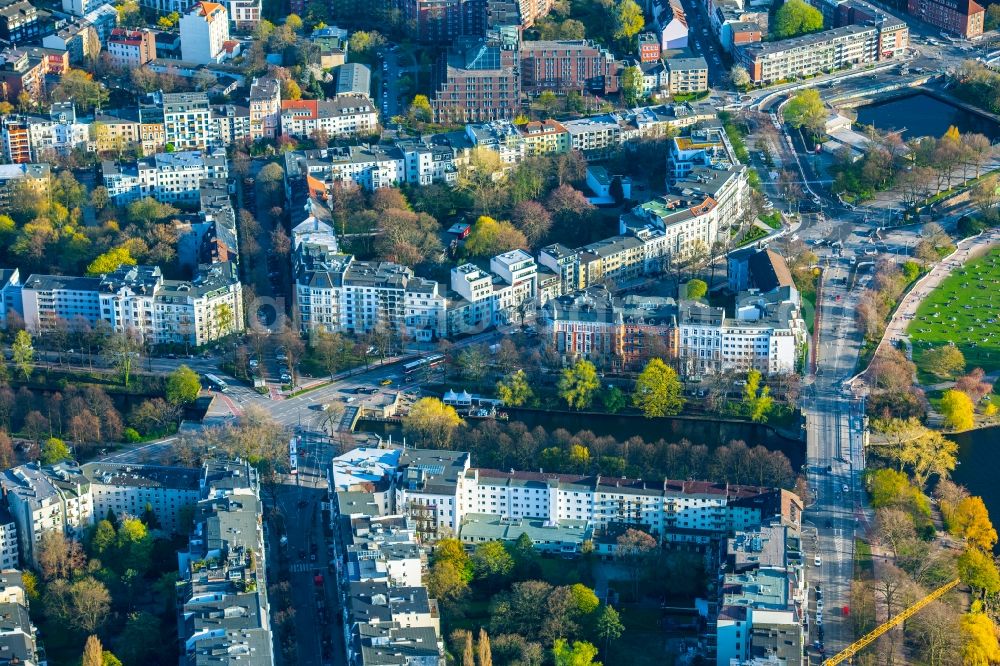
<point x="205" y="33"/>
<point x="369" y="167"/>
<point x="594" y="136"/>
<point x="519" y="273"/>
<point x="347" y="115"/>
<point x="851" y="45"/>
<point x="138" y="299"/>
<point x="767" y="334"/>
<point x="187" y="120"/>
<point x="129" y="489"/>
<point x="338" y="293"/>
<point x="265" y="108"/>
<point x="44" y="499"/>
<point x="167" y="177"/>
<point x="131" y="48"/>
<point x="9" y="558"/>
<point x="436" y="489"/>
<point x="500" y="136"/>
<point x="244" y="14"/>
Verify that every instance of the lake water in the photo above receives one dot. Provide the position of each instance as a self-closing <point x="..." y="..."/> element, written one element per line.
<point x="698" y="431"/>
<point x="923" y="115"/>
<point x="979" y="455"/>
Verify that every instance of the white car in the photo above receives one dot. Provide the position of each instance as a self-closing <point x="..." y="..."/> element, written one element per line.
<point x="846" y="488"/>
<point x="818" y="561"/>
<point x="819" y="605"/>
<point x="819" y="618"/>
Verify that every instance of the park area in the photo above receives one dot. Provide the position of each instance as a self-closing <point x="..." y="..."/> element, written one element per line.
<point x="965" y="311"/>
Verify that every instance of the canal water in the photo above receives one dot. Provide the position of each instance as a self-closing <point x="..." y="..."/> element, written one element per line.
<point x="978" y="455"/>
<point x="711" y="433"/>
<point x="923" y="115"/>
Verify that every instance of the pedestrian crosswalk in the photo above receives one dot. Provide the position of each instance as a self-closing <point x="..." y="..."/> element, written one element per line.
<point x="300" y="567"/>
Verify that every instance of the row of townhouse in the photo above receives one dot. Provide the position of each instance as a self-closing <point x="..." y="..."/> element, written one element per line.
<point x="135" y="299"/>
<point x="442" y="494"/>
<point x="69" y="498"/>
<point x="222" y="598"/>
<point x="766" y="332"/>
<point x="379" y="565"/>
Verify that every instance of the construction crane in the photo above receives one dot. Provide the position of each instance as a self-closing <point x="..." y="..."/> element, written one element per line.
<point x="873" y="635"/>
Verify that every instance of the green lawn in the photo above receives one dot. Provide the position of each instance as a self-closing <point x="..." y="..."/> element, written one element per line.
<point x="864" y="568"/>
<point x="964" y="310"/>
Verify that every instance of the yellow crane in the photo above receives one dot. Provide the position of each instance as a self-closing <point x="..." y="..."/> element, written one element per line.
<point x="873" y="635"/>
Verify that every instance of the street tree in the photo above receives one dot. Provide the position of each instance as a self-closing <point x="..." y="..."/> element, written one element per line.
<point x="958" y="410"/>
<point x="578" y="383"/>
<point x="23" y="353"/>
<point x="757" y="400"/>
<point x="183" y="386"/>
<point x="806" y="109"/>
<point x="122" y="350"/>
<point x="943" y="362"/>
<point x="739" y="77"/>
<point x="514" y="389"/>
<point x="431" y="423"/>
<point x="894" y="527"/>
<point x="658" y="390"/>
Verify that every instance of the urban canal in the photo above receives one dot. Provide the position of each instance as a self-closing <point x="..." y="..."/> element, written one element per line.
<point x="923" y="115"/>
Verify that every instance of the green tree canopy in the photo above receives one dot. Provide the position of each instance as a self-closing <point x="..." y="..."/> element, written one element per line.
<point x="514" y="389"/>
<point x="578" y="383"/>
<point x="806" y="108"/>
<point x="492" y="562"/>
<point x="54" y="450"/>
<point x="958" y="410"/>
<point x="944" y="362"/>
<point x="628" y="20"/>
<point x="658" y="390"/>
<point x="183" y="386"/>
<point x="111" y="260"/>
<point x="632" y="85"/>
<point x="794" y="18"/>
<point x="490" y="237"/>
<point x="580" y="653"/>
<point x="696" y="289"/>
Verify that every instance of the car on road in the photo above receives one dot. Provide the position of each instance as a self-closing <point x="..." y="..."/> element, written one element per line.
<point x="818" y="561"/>
<point x="846" y="488"/>
<point x="385" y="382"/>
<point x="819" y="618"/>
<point x="819" y="605"/>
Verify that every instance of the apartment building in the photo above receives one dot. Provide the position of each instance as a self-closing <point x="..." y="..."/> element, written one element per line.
<point x="204" y="32"/>
<point x="25" y="68"/>
<point x="37" y="138"/>
<point x="265" y="108"/>
<point x="10" y="295"/>
<point x="368" y="167"/>
<point x="481" y="299"/>
<point x="671" y="24"/>
<point x="808" y="55"/>
<point x="19" y="22"/>
<point x="476" y="81"/>
<point x="442" y="21"/>
<point x="500" y="136"/>
<point x="244" y="14"/>
<point x="137" y="298"/>
<point x="595" y="136"/>
<point x="230" y="123"/>
<point x="349" y="115"/>
<point x="45" y="499"/>
<point x="187" y="120"/>
<point x="353" y="78"/>
<point x="129" y="49"/>
<point x="562" y="66"/>
<point x="130" y="489"/>
<point x="437" y="490"/>
<point x="167" y="177"/>
<point x="965" y="18"/>
<point x="222" y="592"/>
<point x="759" y="613"/>
<point x="687" y="75"/>
<point x="338" y="293"/>
<point x="9" y="557"/>
<point x="18" y="636"/>
<point x="546" y="137"/>
<point x="79" y="39"/>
